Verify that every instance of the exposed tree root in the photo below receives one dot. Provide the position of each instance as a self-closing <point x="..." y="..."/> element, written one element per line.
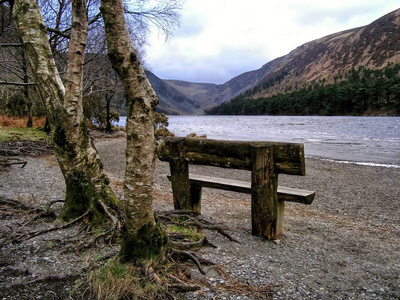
<point x="108" y="235"/>
<point x="168" y="283"/>
<point x="184" y="255"/>
<point x="30" y="235"/>
<point x="14" y="203"/>
<point x="219" y="229"/>
<point x="38" y="276"/>
<point x="191" y="218"/>
<point x="45" y="213"/>
<point x="180" y="285"/>
<point x="188" y="245"/>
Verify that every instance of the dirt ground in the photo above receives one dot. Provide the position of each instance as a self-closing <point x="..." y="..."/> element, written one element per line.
<point x="346" y="245"/>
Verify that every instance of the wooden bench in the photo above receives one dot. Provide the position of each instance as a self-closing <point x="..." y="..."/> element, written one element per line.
<point x="265" y="160"/>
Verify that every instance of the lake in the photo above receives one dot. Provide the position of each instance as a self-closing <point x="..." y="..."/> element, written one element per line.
<point x="362" y="140"/>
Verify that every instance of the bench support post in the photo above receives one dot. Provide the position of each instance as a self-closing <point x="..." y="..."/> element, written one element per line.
<point x="195" y="196"/>
<point x="266" y="221"/>
<point x="179" y="175"/>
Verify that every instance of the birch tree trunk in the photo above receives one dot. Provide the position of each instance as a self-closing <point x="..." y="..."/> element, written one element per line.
<point x="86" y="182"/>
<point x="142" y="237"/>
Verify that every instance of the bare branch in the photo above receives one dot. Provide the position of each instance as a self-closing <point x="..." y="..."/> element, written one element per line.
<point x="60" y="33"/>
<point x="17" y="83"/>
<point x="12" y="45"/>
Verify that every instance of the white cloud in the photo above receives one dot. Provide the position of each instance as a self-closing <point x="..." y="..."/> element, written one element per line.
<point x="219" y="39"/>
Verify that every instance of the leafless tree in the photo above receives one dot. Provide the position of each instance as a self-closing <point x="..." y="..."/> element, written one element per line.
<point x="87" y="186"/>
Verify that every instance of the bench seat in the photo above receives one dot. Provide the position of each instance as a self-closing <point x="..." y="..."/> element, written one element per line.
<point x="284" y="193"/>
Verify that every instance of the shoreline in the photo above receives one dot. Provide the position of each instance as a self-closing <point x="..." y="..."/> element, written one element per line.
<point x="367" y="164"/>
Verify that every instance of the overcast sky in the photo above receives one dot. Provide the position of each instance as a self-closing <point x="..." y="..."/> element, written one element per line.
<point x="220" y="39"/>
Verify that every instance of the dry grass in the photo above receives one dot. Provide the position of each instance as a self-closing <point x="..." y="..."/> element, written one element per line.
<point x="19" y="122"/>
<point x="122" y="281"/>
<point x="14" y="129"/>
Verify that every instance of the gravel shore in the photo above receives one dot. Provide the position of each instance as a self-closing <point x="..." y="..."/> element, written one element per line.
<point x="346" y="245"/>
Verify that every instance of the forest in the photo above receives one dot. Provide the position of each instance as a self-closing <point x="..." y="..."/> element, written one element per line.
<point x="360" y="91"/>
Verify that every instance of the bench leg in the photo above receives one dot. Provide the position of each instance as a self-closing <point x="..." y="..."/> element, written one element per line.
<point x="195" y="196"/>
<point x="280" y="218"/>
<point x="179" y="176"/>
<point x="264" y="194"/>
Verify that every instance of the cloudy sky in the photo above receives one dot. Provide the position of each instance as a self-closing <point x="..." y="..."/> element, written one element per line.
<point x="220" y="39"/>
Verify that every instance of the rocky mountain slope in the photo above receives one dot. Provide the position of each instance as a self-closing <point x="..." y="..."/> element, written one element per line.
<point x="324" y="59"/>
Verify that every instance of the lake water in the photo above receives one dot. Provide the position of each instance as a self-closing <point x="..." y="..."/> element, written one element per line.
<point x="363" y="140"/>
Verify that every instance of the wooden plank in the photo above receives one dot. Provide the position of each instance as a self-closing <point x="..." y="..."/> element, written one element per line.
<point x="288" y="157"/>
<point x="295" y="195"/>
<point x="284" y="193"/>
<point x="221" y="183"/>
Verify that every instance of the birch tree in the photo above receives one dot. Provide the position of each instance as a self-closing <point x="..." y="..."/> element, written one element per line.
<point x="87" y="185"/>
<point x="142" y="237"/>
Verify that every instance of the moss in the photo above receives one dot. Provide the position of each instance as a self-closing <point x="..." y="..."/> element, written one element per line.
<point x="149" y="243"/>
<point x="13" y="134"/>
<point x="80" y="193"/>
<point x="110" y="199"/>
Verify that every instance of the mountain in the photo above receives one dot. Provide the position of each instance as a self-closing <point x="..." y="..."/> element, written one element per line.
<point x="373" y="46"/>
<point x="323" y="60"/>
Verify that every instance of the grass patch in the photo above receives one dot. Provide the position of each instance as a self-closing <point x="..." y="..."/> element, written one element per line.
<point x="14" y="129"/>
<point x="120" y="281"/>
<point x="183" y="233"/>
<point x="16" y="134"/>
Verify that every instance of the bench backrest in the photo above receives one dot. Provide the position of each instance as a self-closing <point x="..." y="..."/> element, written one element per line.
<point x="288" y="158"/>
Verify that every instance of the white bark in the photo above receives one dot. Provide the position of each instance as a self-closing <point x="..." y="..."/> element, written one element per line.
<point x="140" y="153"/>
<point x="76" y="154"/>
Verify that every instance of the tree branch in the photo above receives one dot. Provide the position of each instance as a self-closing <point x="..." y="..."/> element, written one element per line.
<point x="60" y="33"/>
<point x="17" y="83"/>
<point x="12" y="45"/>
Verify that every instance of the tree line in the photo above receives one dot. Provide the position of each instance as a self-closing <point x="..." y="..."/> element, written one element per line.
<point x="356" y="92"/>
